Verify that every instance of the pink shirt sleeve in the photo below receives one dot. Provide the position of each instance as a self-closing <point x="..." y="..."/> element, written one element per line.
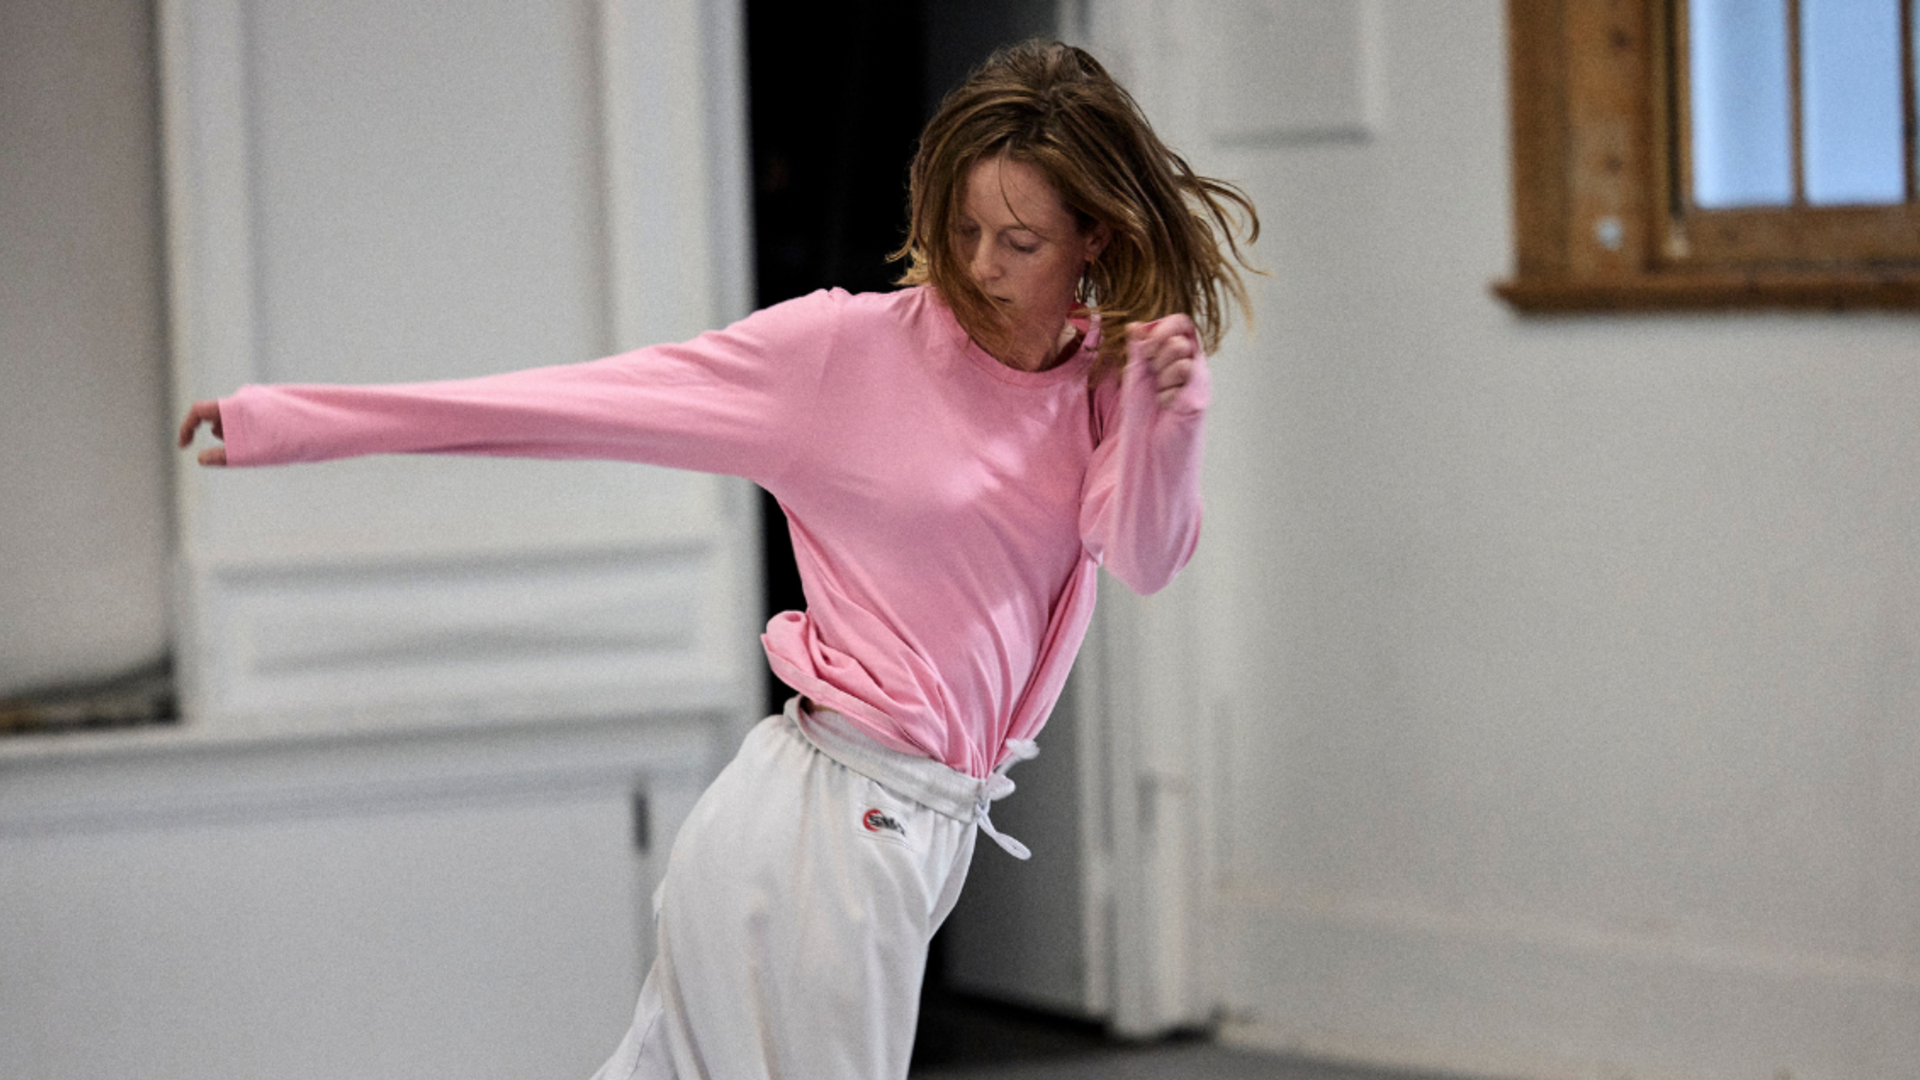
<point x="1140" y="509"/>
<point x="729" y="401"/>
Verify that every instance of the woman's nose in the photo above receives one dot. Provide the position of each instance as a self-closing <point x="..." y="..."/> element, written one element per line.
<point x="980" y="262"/>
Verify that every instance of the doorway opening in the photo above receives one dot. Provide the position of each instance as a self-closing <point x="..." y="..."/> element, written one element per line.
<point x="837" y="95"/>
<point x="837" y="98"/>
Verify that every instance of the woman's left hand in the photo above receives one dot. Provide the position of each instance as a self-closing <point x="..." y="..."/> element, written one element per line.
<point x="1170" y="347"/>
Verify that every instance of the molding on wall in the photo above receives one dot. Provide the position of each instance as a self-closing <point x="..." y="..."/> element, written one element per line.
<point x="107" y="785"/>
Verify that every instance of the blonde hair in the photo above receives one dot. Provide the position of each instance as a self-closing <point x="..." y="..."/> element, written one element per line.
<point x="1054" y="107"/>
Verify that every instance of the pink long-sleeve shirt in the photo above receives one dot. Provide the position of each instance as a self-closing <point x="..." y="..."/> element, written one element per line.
<point x="948" y="512"/>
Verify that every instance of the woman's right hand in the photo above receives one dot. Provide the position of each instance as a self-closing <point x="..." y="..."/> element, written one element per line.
<point x="204" y="412"/>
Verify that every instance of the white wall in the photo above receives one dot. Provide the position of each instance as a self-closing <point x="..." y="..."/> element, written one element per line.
<point x="1563" y="670"/>
<point x="83" y="493"/>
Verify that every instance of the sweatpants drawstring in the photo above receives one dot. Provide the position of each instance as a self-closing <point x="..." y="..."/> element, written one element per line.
<point x="999" y="786"/>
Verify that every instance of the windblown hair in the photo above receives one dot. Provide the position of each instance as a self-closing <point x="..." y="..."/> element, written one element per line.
<point x="1054" y="107"/>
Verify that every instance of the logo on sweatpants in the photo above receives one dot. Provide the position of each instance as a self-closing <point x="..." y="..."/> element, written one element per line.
<point x="877" y="820"/>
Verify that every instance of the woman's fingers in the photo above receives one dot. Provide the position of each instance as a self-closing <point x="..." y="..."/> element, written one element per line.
<point x="1174" y="374"/>
<point x="1168" y="339"/>
<point x="200" y="412"/>
<point x="204" y="412"/>
<point x="1171" y="328"/>
<point x="1169" y="346"/>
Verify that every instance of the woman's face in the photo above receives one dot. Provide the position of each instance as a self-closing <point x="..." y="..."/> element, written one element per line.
<point x="1025" y="250"/>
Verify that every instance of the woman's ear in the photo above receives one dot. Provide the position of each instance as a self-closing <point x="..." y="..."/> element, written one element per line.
<point x="1098" y="238"/>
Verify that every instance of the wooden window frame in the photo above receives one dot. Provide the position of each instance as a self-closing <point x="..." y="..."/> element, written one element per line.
<point x="1597" y="224"/>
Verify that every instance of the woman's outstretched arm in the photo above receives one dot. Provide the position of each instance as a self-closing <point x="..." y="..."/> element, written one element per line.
<point x="729" y="401"/>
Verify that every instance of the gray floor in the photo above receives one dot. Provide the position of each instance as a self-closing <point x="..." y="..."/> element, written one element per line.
<point x="1198" y="1061"/>
<point x="962" y="1037"/>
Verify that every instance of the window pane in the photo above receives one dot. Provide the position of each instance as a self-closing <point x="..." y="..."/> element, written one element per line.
<point x="1850" y="79"/>
<point x="1737" y="71"/>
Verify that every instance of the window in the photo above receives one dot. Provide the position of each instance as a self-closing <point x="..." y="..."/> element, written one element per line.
<point x="1714" y="153"/>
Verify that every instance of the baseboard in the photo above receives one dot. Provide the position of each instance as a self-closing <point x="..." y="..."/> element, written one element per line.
<point x="1480" y="995"/>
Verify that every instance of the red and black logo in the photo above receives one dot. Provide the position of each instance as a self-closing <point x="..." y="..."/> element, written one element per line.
<point x="877" y="820"/>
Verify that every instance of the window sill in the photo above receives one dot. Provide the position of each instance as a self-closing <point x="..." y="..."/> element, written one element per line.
<point x="1827" y="291"/>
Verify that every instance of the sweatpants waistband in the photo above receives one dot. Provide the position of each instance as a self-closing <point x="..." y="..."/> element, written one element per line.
<point x="935" y="785"/>
<point x="928" y="782"/>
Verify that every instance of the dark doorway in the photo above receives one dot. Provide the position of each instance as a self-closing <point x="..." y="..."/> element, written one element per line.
<point x="838" y="94"/>
<point x="835" y="100"/>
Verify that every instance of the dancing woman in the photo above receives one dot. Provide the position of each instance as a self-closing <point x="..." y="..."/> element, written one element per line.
<point x="955" y="459"/>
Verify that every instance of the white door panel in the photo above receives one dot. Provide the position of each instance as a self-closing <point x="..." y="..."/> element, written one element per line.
<point x="448" y="906"/>
<point x="363" y="192"/>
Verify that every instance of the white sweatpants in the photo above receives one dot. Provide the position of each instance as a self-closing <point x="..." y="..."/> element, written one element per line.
<point x="799" y="900"/>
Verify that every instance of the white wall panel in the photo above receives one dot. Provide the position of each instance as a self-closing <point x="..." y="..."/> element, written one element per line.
<point x="605" y="633"/>
<point x="368" y="193"/>
<point x="1292" y="71"/>
<point x="427" y="190"/>
<point x="452" y="905"/>
<point x="387" y="985"/>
